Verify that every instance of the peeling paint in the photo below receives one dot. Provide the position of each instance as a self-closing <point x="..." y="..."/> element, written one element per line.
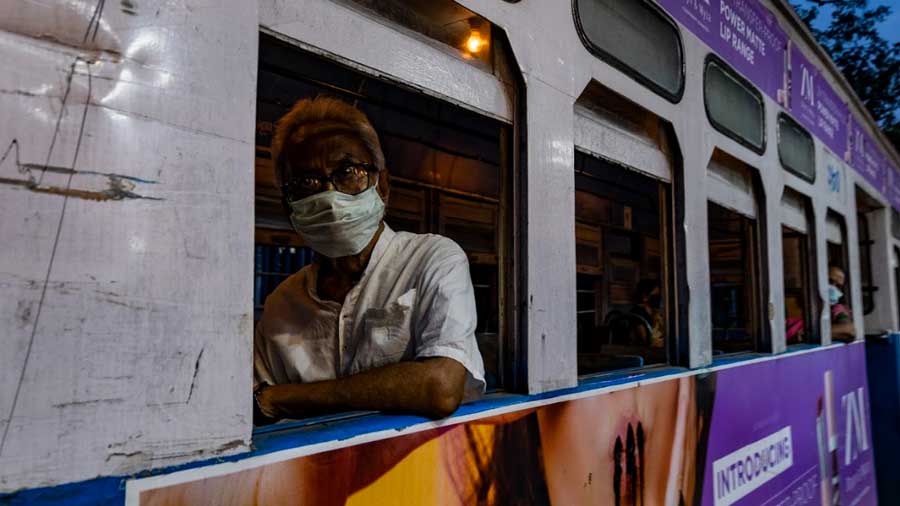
<point x="119" y="186"/>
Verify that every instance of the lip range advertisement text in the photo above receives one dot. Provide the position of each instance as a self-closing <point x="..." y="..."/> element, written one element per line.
<point x="712" y="439"/>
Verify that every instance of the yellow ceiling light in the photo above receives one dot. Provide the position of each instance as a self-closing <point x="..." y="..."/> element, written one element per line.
<point x="475" y="42"/>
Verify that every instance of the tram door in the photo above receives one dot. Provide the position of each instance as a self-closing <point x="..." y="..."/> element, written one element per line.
<point x="445" y="165"/>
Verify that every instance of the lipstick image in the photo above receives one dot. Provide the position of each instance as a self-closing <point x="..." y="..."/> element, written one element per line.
<point x="822" y="445"/>
<point x="831" y="432"/>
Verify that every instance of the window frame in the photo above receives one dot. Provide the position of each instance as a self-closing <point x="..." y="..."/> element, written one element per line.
<point x="712" y="59"/>
<point x="668" y="271"/>
<point x="511" y="367"/>
<point x="760" y="339"/>
<point x="782" y="116"/>
<point x="626" y="69"/>
<point x="809" y="258"/>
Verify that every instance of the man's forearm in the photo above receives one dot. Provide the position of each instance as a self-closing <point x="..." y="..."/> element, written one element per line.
<point x="843" y="331"/>
<point x="432" y="387"/>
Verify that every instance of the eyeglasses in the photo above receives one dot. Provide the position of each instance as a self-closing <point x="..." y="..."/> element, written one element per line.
<point x="351" y="178"/>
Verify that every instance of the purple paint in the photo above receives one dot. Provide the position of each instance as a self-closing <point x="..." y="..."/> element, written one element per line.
<point x="794" y="470"/>
<point x="893" y="187"/>
<point x="742" y="32"/>
<point x="816" y="106"/>
<point x="866" y="157"/>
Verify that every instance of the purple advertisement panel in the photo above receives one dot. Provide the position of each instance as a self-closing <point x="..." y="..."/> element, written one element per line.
<point x="742" y="32"/>
<point x="893" y="187"/>
<point x="816" y="106"/>
<point x="866" y="157"/>
<point x="808" y="444"/>
<point x="789" y="431"/>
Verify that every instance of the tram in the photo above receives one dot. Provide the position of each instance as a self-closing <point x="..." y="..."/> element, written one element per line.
<point x="708" y="151"/>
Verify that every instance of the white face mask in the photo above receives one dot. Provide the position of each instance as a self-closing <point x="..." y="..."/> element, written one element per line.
<point x="336" y="224"/>
<point x="834" y="294"/>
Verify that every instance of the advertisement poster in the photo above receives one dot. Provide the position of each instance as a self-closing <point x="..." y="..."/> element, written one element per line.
<point x="742" y="32"/>
<point x="893" y="187"/>
<point x="866" y="158"/>
<point x="789" y="431"/>
<point x="816" y="106"/>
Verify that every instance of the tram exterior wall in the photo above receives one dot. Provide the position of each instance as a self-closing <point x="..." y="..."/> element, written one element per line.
<point x="126" y="196"/>
<point x="144" y="222"/>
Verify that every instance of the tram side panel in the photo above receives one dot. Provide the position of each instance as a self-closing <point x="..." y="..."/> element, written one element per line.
<point x="792" y="430"/>
<point x="124" y="192"/>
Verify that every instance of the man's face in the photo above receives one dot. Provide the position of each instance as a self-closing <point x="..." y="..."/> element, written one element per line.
<point x="836" y="277"/>
<point x="323" y="154"/>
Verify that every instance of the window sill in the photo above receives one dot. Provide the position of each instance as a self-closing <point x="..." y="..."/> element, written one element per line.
<point x="363" y="426"/>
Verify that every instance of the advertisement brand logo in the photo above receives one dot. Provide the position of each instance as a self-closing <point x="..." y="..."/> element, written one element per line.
<point x="855" y="408"/>
<point x="745" y="470"/>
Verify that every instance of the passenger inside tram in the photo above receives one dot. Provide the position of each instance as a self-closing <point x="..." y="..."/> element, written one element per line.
<point x="621" y="250"/>
<point x="402" y="305"/>
<point x="842" y="328"/>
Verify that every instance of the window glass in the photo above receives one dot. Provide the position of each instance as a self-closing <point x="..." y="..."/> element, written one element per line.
<point x="636" y="37"/>
<point x="796" y="149"/>
<point x="895" y="258"/>
<point x="799" y="284"/>
<point x="445" y="176"/>
<point x="621" y="249"/>
<point x="734" y="106"/>
<point x="733" y="280"/>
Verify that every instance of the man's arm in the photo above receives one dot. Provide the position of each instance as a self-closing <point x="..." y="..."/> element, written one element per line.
<point x="431" y="387"/>
<point x="843" y="331"/>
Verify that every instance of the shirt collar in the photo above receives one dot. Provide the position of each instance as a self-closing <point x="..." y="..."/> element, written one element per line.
<point x="381" y="246"/>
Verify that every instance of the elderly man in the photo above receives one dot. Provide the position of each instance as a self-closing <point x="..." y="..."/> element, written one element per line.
<point x="382" y="320"/>
<point x="842" y="328"/>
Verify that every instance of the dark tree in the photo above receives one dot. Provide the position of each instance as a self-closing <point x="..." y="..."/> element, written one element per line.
<point x="869" y="62"/>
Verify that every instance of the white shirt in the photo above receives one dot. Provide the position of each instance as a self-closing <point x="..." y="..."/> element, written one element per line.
<point x="414" y="300"/>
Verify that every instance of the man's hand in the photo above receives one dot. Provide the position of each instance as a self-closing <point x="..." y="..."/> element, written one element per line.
<point x="431" y="387"/>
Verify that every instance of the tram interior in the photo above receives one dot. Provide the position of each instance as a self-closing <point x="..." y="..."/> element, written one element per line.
<point x="445" y="165"/>
<point x="619" y="244"/>
<point x="732" y="238"/>
<point x="800" y="301"/>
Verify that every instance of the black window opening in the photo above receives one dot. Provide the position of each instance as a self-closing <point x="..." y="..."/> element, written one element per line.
<point x="796" y="149"/>
<point x="865" y="207"/>
<point x="867" y="282"/>
<point x="734" y="106"/>
<point x="896" y="266"/>
<point x="447" y="177"/>
<point x="895" y="224"/>
<point x="838" y="253"/>
<point x="636" y="37"/>
<point x="624" y="301"/>
<point x="734" y="281"/>
<point x="801" y="299"/>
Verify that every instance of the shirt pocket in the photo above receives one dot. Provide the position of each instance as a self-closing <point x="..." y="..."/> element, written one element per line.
<point x="387" y="331"/>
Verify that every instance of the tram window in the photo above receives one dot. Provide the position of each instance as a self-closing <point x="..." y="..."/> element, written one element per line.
<point x="865" y="205"/>
<point x="799" y="293"/>
<point x="734" y="106"/>
<point x="896" y="265"/>
<point x="445" y="168"/>
<point x="623" y="299"/>
<point x="895" y="224"/>
<point x="733" y="280"/>
<point x="638" y="38"/>
<point x="838" y="255"/>
<point x="796" y="149"/>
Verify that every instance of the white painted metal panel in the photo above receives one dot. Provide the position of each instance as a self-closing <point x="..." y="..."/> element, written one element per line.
<point x="127" y="204"/>
<point x="371" y="45"/>
<point x="603" y="136"/>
